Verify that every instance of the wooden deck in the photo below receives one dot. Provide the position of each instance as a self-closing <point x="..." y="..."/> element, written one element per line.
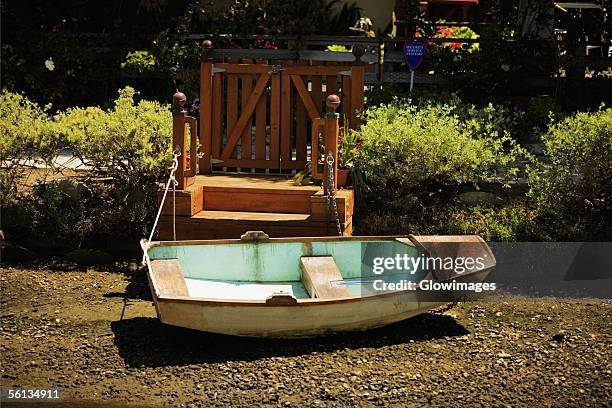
<point x="226" y="206"/>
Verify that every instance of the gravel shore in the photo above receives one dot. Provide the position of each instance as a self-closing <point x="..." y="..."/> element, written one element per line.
<point x="93" y="334"/>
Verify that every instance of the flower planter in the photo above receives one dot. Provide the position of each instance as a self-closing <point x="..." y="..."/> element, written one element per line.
<point x="343" y="177"/>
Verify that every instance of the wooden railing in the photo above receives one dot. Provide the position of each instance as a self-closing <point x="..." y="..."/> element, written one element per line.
<point x="327" y="129"/>
<point x="186" y="147"/>
<point x="256" y="115"/>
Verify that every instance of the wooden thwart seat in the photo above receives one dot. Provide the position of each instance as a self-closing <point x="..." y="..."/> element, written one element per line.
<point x="319" y="276"/>
<point x="168" y="278"/>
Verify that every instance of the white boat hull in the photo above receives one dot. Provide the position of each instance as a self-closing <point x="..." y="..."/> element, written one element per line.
<point x="286" y="317"/>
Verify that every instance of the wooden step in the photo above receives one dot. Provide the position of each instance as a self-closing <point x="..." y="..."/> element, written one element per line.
<point x="210" y="224"/>
<point x="273" y="201"/>
<point x="259" y="194"/>
<point x="247" y="217"/>
<point x="226" y="206"/>
<point x="320" y="275"/>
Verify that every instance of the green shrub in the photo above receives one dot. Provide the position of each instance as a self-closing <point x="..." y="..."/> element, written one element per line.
<point x="413" y="156"/>
<point x="20" y="121"/>
<point x="129" y="142"/>
<point x="509" y="222"/>
<point x="139" y="61"/>
<point x="572" y="190"/>
<point x="125" y="150"/>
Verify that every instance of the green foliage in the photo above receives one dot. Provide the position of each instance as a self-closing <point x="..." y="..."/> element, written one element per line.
<point x="540" y="112"/>
<point x="128" y="142"/>
<point x="20" y="121"/>
<point x="573" y="189"/>
<point x="125" y="149"/>
<point x="139" y="61"/>
<point x="337" y="48"/>
<point x="513" y="221"/>
<point x="348" y="144"/>
<point x="413" y="155"/>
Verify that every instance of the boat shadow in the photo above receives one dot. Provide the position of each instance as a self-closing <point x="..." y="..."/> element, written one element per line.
<point x="144" y="341"/>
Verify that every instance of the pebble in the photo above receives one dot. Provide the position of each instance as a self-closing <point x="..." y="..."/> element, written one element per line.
<point x="498" y="358"/>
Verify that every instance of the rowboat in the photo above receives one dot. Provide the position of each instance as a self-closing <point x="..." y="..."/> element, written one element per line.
<point x="258" y="286"/>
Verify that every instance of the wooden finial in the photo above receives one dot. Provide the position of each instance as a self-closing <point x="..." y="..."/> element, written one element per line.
<point x="358" y="51"/>
<point x="333" y="101"/>
<point x="179" y="100"/>
<point x="207" y="46"/>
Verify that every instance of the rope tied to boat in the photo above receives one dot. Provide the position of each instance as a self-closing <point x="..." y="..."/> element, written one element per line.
<point x="172" y="182"/>
<point x="330" y="197"/>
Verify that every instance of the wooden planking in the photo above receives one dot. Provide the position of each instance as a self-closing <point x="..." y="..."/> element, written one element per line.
<point x="206" y="103"/>
<point x="263" y="164"/>
<point x="250" y="217"/>
<point x="232" y="106"/>
<point x="266" y="202"/>
<point x="194" y="228"/>
<point x="246" y="143"/>
<point x="332" y="70"/>
<point x="356" y="96"/>
<point x="241" y="182"/>
<point x="317" y="93"/>
<point x="245" y="115"/>
<point x="320" y="275"/>
<point x="168" y="280"/>
<point x="260" y="126"/>
<point x="301" y="124"/>
<point x="305" y="98"/>
<point x="275" y="109"/>
<point x="188" y="202"/>
<point x="345" y="200"/>
<point x="217" y="115"/>
<point x="286" y="119"/>
<point x="232" y="68"/>
<point x="346" y="101"/>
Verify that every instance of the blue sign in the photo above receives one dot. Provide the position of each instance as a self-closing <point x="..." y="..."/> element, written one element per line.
<point x="414" y="53"/>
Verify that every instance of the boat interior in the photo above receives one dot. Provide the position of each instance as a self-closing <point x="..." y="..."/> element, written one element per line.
<point x="239" y="271"/>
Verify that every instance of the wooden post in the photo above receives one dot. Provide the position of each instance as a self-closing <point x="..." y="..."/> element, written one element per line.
<point x="331" y="139"/>
<point x="185" y="173"/>
<point x="206" y="106"/>
<point x="357" y="82"/>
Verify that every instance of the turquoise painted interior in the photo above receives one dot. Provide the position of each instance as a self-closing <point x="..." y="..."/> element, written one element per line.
<point x="276" y="262"/>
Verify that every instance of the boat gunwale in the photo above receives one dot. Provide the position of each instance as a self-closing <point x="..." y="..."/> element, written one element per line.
<point x="300" y="302"/>
<point x="154" y="244"/>
<point x="309" y="301"/>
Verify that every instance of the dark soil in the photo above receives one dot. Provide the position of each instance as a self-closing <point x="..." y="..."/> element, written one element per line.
<point x="93" y="334"/>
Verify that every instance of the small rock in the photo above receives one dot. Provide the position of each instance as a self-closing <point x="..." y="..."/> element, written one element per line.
<point x="560" y="336"/>
<point x="503" y="355"/>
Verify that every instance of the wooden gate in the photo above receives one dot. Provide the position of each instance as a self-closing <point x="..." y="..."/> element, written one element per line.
<point x="259" y="117"/>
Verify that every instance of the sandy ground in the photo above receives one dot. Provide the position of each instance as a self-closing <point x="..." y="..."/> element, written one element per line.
<point x="93" y="334"/>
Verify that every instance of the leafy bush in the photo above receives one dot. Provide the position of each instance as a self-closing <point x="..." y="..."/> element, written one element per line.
<point x="20" y="121"/>
<point x="573" y="189"/>
<point x="540" y="112"/>
<point x="125" y="151"/>
<point x="139" y="61"/>
<point x="128" y="142"/>
<point x="411" y="156"/>
<point x="513" y="221"/>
